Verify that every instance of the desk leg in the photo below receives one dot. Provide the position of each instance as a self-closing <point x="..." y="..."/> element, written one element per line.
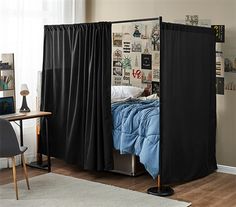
<point x="48" y="165"/>
<point x="21" y="134"/>
<point x="48" y="147"/>
<point x="39" y="155"/>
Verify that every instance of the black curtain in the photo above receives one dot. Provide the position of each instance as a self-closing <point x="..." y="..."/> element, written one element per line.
<point x="76" y="88"/>
<point x="188" y="102"/>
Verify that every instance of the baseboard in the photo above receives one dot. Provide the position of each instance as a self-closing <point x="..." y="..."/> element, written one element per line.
<point x="3" y="163"/>
<point x="226" y="169"/>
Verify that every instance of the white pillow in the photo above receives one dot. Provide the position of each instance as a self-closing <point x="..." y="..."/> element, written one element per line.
<point x="151" y="97"/>
<point x="122" y="92"/>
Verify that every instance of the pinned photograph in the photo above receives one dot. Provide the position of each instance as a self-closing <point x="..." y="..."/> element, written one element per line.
<point x="117" y="55"/>
<point x="126" y="47"/>
<point x="117" y="80"/>
<point x="126" y="78"/>
<point x="146" y="76"/>
<point x="136" y="63"/>
<point x="137" y="28"/>
<point x="156" y="59"/>
<point x="136" y="77"/>
<point x="117" y="71"/>
<point x="155" y="74"/>
<point x="230" y="81"/>
<point x="137" y="46"/>
<point x="117" y="39"/>
<point x="146" y="61"/>
<point x="146" y="46"/>
<point x="126" y="62"/>
<point x="117" y="64"/>
<point x="145" y="33"/>
<point x="155" y="38"/>
<point x="136" y="74"/>
<point x="127" y="30"/>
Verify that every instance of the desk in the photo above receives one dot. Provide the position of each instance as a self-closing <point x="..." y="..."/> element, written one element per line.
<point x="31" y="115"/>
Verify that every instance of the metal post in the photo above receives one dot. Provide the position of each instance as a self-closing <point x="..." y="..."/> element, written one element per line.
<point x="48" y="147"/>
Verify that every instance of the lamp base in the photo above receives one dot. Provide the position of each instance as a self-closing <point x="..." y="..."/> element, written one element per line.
<point x="161" y="191"/>
<point x="24" y="107"/>
<point x="24" y="110"/>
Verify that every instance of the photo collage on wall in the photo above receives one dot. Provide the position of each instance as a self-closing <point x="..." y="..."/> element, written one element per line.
<point x="136" y="55"/>
<point x="219" y="31"/>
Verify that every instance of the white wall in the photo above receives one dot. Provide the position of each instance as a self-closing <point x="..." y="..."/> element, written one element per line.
<point x="219" y="12"/>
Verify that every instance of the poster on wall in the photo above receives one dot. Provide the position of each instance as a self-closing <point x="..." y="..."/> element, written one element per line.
<point x="219" y="31"/>
<point x="230" y="74"/>
<point x="230" y="81"/>
<point x="191" y="20"/>
<point x="219" y="64"/>
<point x="136" y="54"/>
<point x="194" y="20"/>
<point x="220" y="85"/>
<point x="220" y="73"/>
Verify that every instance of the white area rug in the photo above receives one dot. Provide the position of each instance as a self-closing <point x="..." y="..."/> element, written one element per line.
<point x="53" y="190"/>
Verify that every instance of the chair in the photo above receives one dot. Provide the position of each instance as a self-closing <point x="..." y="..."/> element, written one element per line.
<point x="9" y="148"/>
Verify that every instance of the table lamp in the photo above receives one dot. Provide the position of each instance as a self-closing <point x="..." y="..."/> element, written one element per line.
<point x="24" y="92"/>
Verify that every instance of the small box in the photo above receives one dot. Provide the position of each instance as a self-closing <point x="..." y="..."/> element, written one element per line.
<point x="127" y="164"/>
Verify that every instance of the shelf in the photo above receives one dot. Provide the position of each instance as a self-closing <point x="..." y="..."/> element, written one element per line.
<point x="7" y="76"/>
<point x="4" y="69"/>
<point x="12" y="89"/>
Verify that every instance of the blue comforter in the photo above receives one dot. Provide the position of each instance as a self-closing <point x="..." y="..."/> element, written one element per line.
<point x="136" y="131"/>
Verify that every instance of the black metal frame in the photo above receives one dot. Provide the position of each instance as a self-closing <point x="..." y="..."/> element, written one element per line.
<point x="157" y="190"/>
<point x="137" y="20"/>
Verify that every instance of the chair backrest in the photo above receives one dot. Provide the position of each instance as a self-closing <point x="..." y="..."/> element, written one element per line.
<point x="9" y="145"/>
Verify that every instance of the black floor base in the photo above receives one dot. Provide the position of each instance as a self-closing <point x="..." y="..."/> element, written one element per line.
<point x="161" y="191"/>
<point x="42" y="166"/>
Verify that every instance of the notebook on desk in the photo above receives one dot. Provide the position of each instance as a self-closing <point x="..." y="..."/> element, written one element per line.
<point x="7" y="108"/>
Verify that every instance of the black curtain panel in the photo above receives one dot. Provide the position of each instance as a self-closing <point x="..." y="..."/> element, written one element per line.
<point x="76" y="88"/>
<point x="188" y="102"/>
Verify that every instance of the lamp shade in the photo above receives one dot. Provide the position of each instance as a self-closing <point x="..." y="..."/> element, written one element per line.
<point x="24" y="90"/>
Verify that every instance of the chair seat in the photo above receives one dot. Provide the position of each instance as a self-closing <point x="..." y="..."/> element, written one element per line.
<point x="9" y="147"/>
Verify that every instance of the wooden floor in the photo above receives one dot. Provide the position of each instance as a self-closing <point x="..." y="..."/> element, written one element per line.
<point x="217" y="189"/>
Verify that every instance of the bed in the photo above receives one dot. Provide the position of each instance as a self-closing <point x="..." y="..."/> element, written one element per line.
<point x="78" y="94"/>
<point x="136" y="131"/>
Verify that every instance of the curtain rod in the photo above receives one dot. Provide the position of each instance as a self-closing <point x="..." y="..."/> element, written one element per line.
<point x="136" y="20"/>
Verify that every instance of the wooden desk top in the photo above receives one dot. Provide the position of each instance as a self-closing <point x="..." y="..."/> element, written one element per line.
<point x="28" y="115"/>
